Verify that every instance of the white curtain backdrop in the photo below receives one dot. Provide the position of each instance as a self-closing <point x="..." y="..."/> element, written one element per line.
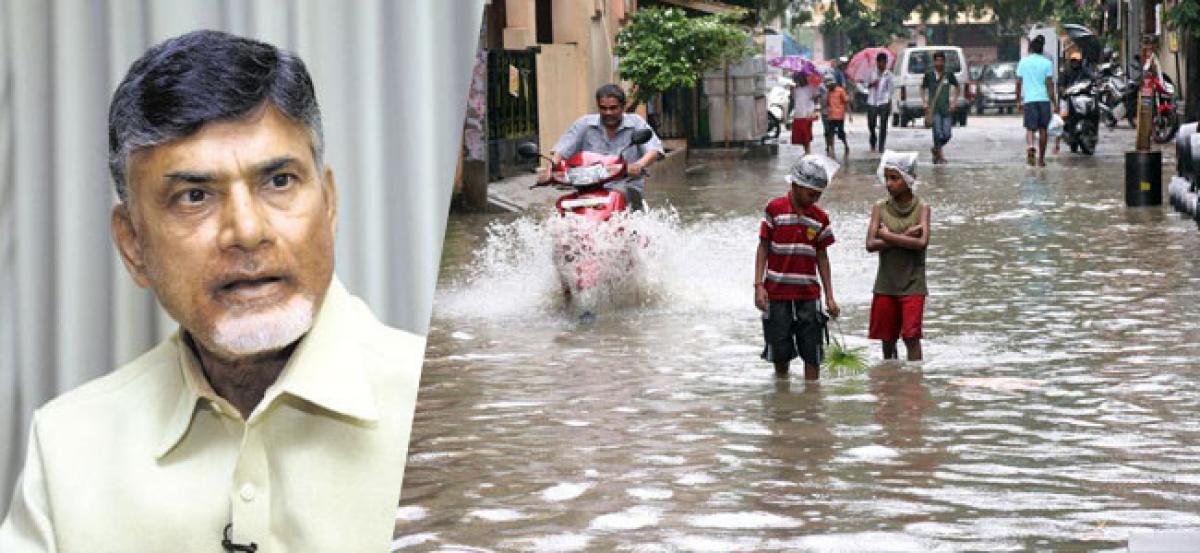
<point x="391" y="79"/>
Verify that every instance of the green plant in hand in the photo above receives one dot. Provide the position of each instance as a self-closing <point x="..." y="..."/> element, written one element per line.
<point x="841" y="360"/>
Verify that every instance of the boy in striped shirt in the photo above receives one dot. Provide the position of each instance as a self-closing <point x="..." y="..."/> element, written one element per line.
<point x="793" y="238"/>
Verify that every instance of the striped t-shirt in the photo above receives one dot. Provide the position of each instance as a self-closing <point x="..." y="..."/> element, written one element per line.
<point x="793" y="240"/>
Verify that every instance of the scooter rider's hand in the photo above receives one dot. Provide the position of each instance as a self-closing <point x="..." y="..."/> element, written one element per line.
<point x="545" y="175"/>
<point x="634" y="169"/>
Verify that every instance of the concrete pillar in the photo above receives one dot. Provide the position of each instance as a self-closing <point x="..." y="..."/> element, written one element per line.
<point x="520" y="28"/>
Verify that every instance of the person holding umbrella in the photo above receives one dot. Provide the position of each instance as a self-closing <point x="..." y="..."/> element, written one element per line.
<point x="879" y="100"/>
<point x="804" y="107"/>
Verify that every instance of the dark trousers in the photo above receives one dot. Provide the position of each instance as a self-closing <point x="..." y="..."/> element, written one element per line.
<point x="882" y="113"/>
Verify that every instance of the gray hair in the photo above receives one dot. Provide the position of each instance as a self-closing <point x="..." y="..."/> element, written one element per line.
<point x="183" y="83"/>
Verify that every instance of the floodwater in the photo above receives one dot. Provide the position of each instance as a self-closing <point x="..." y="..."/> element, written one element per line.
<point x="1056" y="408"/>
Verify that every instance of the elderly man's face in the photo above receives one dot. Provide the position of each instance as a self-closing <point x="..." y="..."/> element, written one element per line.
<point x="233" y="227"/>
<point x="611" y="111"/>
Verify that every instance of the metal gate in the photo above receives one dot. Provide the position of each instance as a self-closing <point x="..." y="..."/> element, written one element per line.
<point x="512" y="108"/>
<point x="673" y="116"/>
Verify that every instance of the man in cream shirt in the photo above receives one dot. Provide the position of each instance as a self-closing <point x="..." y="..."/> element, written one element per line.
<point x="277" y="417"/>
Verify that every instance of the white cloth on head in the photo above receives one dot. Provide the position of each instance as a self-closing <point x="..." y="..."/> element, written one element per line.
<point x="904" y="162"/>
<point x="813" y="171"/>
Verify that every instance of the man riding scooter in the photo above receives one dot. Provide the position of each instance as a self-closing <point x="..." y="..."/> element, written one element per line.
<point x="1074" y="72"/>
<point x="610" y="131"/>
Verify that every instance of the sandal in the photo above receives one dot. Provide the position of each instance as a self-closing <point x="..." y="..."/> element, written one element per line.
<point x="1031" y="155"/>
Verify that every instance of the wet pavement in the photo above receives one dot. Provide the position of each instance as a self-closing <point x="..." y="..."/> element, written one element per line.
<point x="1055" y="409"/>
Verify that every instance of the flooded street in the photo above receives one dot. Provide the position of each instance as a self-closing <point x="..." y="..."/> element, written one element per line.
<point x="1056" y="408"/>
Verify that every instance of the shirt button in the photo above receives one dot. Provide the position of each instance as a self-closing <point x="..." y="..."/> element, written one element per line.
<point x="247" y="492"/>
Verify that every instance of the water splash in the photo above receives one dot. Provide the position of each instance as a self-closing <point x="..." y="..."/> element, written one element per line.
<point x="680" y="266"/>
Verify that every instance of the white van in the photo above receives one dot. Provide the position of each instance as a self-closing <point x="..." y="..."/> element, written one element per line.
<point x="910" y="71"/>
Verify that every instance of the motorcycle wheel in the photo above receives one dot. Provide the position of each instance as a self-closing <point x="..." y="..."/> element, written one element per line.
<point x="1088" y="138"/>
<point x="1165" y="127"/>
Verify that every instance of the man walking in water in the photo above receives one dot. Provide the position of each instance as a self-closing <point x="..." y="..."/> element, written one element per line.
<point x="879" y="102"/>
<point x="940" y="93"/>
<point x="1035" y="88"/>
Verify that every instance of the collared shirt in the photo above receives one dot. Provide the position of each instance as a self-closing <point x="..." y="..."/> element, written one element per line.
<point x="879" y="88"/>
<point x="939" y="90"/>
<point x="149" y="458"/>
<point x="587" y="134"/>
<point x="793" y="240"/>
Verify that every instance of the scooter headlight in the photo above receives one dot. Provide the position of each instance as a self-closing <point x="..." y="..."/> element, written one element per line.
<point x="584" y="176"/>
<point x="1082" y="104"/>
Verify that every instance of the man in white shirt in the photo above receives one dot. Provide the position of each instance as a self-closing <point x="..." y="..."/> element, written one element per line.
<point x="277" y="417"/>
<point x="879" y="101"/>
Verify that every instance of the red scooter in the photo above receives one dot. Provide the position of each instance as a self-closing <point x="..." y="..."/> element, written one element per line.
<point x="592" y="252"/>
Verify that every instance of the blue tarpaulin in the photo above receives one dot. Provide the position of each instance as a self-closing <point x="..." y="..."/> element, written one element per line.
<point x="793" y="48"/>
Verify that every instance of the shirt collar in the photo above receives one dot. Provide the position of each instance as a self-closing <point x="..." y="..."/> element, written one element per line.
<point x="326" y="369"/>
<point x="595" y="122"/>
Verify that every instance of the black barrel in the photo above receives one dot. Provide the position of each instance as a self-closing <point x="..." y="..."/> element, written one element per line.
<point x="1143" y="179"/>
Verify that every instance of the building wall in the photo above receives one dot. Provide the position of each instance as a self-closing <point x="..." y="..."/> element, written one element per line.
<point x="560" y="94"/>
<point x="579" y="61"/>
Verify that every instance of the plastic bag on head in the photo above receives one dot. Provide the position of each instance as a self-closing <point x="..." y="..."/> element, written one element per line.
<point x="904" y="162"/>
<point x="813" y="171"/>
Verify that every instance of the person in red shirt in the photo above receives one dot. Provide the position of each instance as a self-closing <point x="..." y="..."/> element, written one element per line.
<point x="793" y="238"/>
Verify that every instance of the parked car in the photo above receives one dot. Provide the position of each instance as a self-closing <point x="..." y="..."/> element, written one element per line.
<point x="997" y="88"/>
<point x="910" y="72"/>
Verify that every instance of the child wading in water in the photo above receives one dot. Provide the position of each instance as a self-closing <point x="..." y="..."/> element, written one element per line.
<point x="793" y="238"/>
<point x="836" y="103"/>
<point x="899" y="231"/>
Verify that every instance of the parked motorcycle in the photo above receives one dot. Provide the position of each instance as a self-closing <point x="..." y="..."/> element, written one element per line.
<point x="1081" y="122"/>
<point x="1112" y="95"/>
<point x="593" y="253"/>
<point x="1166" y="113"/>
<point x="777" y="110"/>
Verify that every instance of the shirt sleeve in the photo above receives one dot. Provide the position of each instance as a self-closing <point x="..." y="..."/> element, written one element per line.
<point x="28" y="527"/>
<point x="568" y="144"/>
<point x="925" y="81"/>
<point x="765" y="227"/>
<point x="825" y="237"/>
<point x="654" y="143"/>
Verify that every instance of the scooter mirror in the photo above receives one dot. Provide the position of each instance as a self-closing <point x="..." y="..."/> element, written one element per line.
<point x="528" y="150"/>
<point x="642" y="136"/>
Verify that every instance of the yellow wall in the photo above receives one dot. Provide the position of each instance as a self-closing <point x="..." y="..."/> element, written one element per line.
<point x="559" y="94"/>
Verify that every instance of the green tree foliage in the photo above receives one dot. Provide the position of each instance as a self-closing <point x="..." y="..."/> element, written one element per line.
<point x="1185" y="16"/>
<point x="663" y="49"/>
<point x="865" y="27"/>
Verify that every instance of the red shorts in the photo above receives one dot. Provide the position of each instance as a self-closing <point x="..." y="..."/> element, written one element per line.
<point x="802" y="130"/>
<point x="895" y="317"/>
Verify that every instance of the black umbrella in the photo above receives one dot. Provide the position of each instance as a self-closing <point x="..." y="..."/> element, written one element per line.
<point x="1087" y="41"/>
